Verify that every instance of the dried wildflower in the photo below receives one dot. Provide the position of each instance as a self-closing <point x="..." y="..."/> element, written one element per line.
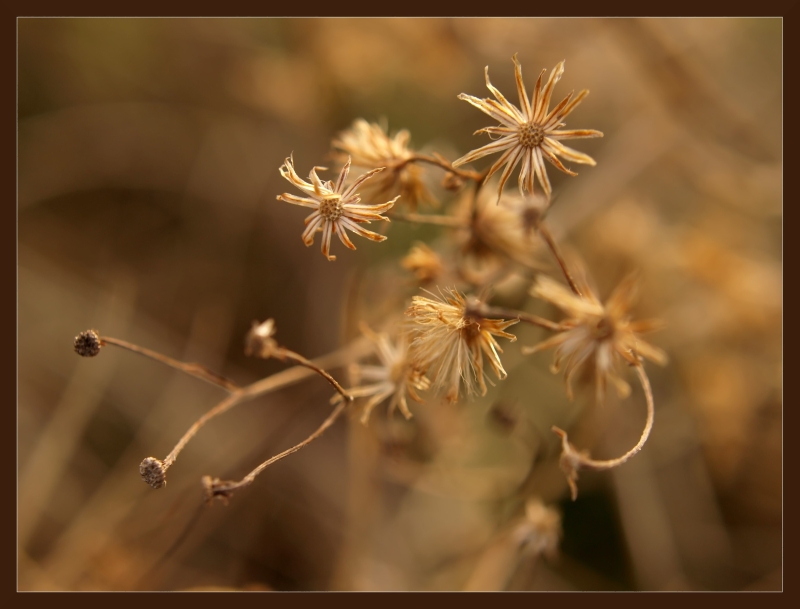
<point x="396" y="377"/>
<point x="370" y="146"/>
<point x="259" y="341"/>
<point x="496" y="233"/>
<point x="604" y="332"/>
<point x="336" y="208"/>
<point x="87" y="344"/>
<point x="450" y="340"/>
<point x="530" y="133"/>
<point x="539" y="532"/>
<point x="529" y="209"/>
<point x="421" y="260"/>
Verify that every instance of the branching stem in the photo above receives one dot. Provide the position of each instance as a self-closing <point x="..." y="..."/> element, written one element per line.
<point x="284" y="378"/>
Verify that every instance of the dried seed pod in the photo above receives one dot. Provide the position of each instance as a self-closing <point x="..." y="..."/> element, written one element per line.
<point x="153" y="472"/>
<point x="87" y="344"/>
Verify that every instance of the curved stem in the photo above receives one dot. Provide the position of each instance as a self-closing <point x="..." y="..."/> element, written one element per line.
<point x="572" y="460"/>
<point x="214" y="487"/>
<point x="192" y="369"/>
<point x="439" y="161"/>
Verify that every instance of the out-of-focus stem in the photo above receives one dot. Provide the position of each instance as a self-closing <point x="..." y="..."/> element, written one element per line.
<point x="430" y="219"/>
<point x="548" y="238"/>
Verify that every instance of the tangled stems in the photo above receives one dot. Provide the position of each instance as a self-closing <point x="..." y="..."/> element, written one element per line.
<point x="572" y="460"/>
<point x="154" y="470"/>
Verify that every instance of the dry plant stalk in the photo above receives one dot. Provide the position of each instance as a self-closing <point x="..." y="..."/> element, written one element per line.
<point x="448" y="336"/>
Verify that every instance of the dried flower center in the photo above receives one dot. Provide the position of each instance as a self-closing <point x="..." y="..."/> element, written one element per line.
<point x="471" y="330"/>
<point x="331" y="207"/>
<point x="603" y="329"/>
<point x="530" y="135"/>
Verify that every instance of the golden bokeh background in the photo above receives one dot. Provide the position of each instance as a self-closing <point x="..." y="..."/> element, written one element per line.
<point x="148" y="169"/>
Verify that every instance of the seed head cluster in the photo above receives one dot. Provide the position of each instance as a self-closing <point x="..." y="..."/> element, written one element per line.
<point x="448" y="340"/>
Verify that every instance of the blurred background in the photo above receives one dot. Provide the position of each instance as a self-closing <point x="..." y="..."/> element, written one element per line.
<point x="148" y="170"/>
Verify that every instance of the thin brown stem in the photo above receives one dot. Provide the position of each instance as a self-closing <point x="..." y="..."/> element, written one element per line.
<point x="215" y="487"/>
<point x="296" y="357"/>
<point x="548" y="238"/>
<point x="442" y="163"/>
<point x="486" y="311"/>
<point x="572" y="460"/>
<point x="192" y="369"/>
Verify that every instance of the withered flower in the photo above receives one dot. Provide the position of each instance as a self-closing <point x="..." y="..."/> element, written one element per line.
<point x="336" y="207"/>
<point x="593" y="330"/>
<point x="529" y="133"/>
<point x="495" y="234"/>
<point x="369" y="145"/>
<point x="425" y="263"/>
<point x="259" y="341"/>
<point x="396" y="377"/>
<point x="450" y="340"/>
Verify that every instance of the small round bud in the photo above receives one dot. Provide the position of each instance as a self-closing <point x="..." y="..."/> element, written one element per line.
<point x="87" y="344"/>
<point x="153" y="472"/>
<point x="259" y="341"/>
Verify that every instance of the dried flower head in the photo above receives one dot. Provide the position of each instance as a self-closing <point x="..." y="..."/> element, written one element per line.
<point x="529" y="133"/>
<point x="496" y="234"/>
<point x="259" y="341"/>
<point x="593" y="330"/>
<point x="426" y="264"/>
<point x="87" y="344"/>
<point x="529" y="209"/>
<point x="153" y="472"/>
<point x="336" y="208"/>
<point x="396" y="377"/>
<point x="450" y="340"/>
<point x="369" y="145"/>
<point x="539" y="531"/>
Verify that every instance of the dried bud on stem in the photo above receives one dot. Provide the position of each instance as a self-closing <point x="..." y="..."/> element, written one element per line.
<point x="88" y="343"/>
<point x="153" y="472"/>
